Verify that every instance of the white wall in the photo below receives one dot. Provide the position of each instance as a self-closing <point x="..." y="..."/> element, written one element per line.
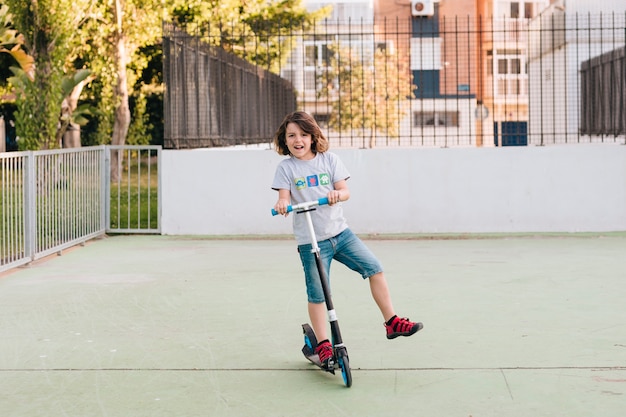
<point x="573" y="188"/>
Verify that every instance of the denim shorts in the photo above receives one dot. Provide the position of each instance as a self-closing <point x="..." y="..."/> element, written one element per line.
<point x="346" y="248"/>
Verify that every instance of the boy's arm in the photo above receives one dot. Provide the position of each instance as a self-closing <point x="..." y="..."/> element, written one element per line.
<point x="340" y="193"/>
<point x="284" y="199"/>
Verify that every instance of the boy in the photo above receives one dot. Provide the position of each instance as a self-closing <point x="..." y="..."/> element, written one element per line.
<point x="311" y="173"/>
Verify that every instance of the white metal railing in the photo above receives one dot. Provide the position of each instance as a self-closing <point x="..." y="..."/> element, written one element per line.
<point x="52" y="200"/>
<point x="133" y="203"/>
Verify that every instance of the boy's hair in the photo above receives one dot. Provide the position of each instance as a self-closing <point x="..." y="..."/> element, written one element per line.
<point x="307" y="123"/>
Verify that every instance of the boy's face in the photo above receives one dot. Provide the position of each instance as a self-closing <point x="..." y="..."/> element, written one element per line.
<point x="298" y="142"/>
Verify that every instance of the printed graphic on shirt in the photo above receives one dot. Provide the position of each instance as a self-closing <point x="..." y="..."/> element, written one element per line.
<point x="300" y="183"/>
<point x="312" y="181"/>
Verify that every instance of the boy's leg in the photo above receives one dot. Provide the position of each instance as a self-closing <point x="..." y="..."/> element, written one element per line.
<point x="380" y="293"/>
<point x="316" y="305"/>
<point x="317" y="314"/>
<point x="394" y="325"/>
<point x="324" y="349"/>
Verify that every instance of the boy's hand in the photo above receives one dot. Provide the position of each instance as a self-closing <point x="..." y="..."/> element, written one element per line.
<point x="334" y="197"/>
<point x="281" y="207"/>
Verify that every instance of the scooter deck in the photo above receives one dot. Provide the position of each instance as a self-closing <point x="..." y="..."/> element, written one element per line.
<point x="307" y="349"/>
<point x="315" y="360"/>
<point x="311" y="356"/>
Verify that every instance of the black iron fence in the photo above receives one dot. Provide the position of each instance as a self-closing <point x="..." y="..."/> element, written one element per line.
<point x="440" y="81"/>
<point x="214" y="98"/>
<point x="603" y="98"/>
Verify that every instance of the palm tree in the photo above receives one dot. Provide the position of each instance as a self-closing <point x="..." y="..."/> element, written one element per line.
<point x="11" y="43"/>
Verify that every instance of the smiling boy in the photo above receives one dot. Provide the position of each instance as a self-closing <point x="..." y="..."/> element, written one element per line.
<point x="311" y="173"/>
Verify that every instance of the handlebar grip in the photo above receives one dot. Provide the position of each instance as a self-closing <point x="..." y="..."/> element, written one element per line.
<point x="308" y="204"/>
<point x="322" y="201"/>
<point x="289" y="210"/>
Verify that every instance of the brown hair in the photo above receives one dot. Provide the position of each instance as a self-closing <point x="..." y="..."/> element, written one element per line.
<point x="307" y="123"/>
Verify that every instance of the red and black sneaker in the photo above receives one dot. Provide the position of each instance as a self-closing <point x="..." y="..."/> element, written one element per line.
<point x="325" y="351"/>
<point x="397" y="326"/>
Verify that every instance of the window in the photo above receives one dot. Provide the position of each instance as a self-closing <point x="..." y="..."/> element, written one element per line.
<point x="529" y="10"/>
<point x="322" y="119"/>
<point x="514" y="10"/>
<point x="356" y="11"/>
<point x="517" y="9"/>
<point x="317" y="58"/>
<point x="508" y="66"/>
<point x="436" y="119"/>
<point x="503" y="66"/>
<point x="385" y="47"/>
<point x="515" y="66"/>
<point x="316" y="55"/>
<point x="426" y="53"/>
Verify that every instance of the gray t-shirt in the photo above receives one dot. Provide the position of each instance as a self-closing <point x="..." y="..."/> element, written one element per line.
<point x="312" y="180"/>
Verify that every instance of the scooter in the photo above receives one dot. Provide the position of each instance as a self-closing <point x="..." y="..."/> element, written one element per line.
<point x="340" y="353"/>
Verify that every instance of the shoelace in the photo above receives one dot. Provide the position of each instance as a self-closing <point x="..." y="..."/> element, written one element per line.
<point x="325" y="352"/>
<point x="402" y="325"/>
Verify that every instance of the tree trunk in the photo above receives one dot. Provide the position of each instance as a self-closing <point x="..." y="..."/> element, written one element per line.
<point x="71" y="136"/>
<point x="68" y="132"/>
<point x="122" y="110"/>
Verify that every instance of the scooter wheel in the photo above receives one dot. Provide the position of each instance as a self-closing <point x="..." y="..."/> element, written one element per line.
<point x="344" y="365"/>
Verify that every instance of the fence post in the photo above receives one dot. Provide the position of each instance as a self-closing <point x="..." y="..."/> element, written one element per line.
<point x="105" y="190"/>
<point x="3" y="135"/>
<point x="30" y="209"/>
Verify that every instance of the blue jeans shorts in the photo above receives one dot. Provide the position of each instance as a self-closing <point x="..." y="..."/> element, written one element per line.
<point x="346" y="248"/>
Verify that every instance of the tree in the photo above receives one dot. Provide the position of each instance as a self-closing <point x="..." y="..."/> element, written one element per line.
<point x="108" y="37"/>
<point x="49" y="29"/>
<point x="361" y="92"/>
<point x="52" y="31"/>
<point x="115" y="35"/>
<point x="122" y="110"/>
<point x="64" y="36"/>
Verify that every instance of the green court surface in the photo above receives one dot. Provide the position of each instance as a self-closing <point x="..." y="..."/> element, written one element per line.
<point x="518" y="326"/>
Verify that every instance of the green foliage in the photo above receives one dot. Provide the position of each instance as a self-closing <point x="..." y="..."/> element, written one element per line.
<point x="47" y="26"/>
<point x="38" y="108"/>
<point x="79" y="114"/>
<point x="259" y="31"/>
<point x="140" y="122"/>
<point x="72" y="80"/>
<point x="141" y="31"/>
<point x="11" y="42"/>
<point x="66" y="36"/>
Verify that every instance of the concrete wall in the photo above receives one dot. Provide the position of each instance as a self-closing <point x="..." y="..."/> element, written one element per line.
<point x="573" y="188"/>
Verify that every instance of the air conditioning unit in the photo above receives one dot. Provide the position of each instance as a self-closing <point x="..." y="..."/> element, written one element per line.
<point x="422" y="7"/>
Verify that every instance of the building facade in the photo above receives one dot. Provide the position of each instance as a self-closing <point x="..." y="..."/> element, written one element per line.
<point x="466" y="62"/>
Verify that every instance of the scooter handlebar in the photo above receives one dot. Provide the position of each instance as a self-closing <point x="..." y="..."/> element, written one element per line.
<point x="304" y="206"/>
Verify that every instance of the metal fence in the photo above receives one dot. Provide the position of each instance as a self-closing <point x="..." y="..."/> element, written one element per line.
<point x="603" y="98"/>
<point x="214" y="98"/>
<point x="562" y="51"/>
<point x="445" y="81"/>
<point x="133" y="200"/>
<point x="52" y="200"/>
